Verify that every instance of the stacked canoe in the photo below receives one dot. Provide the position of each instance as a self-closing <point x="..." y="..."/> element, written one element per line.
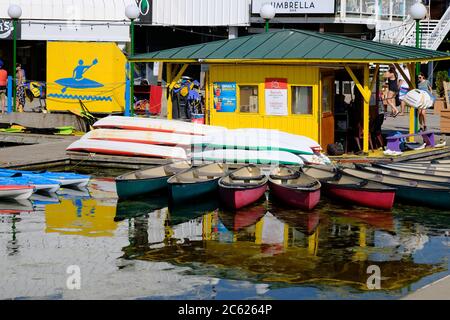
<point x="178" y="140"/>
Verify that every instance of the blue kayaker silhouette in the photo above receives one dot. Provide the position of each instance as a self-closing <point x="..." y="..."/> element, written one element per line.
<point x="78" y="81"/>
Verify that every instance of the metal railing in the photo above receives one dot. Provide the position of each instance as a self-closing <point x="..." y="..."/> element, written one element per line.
<point x="441" y="30"/>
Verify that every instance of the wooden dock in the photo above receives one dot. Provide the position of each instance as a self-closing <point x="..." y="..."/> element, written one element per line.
<point x="378" y="156"/>
<point x="112" y="161"/>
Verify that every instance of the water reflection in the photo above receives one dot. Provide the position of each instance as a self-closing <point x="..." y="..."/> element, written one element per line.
<point x="267" y="244"/>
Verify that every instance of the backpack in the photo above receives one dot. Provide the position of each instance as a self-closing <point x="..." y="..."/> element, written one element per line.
<point x="335" y="149"/>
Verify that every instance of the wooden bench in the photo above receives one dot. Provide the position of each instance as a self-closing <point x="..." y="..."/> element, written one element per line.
<point x="393" y="142"/>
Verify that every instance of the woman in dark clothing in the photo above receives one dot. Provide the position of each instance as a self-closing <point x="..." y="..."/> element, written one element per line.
<point x="391" y="77"/>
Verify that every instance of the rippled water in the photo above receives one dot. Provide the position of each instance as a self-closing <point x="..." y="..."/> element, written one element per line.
<point x="145" y="249"/>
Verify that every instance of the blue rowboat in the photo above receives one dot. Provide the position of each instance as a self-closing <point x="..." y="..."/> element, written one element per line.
<point x="197" y="182"/>
<point x="40" y="184"/>
<point x="145" y="181"/>
<point x="65" y="179"/>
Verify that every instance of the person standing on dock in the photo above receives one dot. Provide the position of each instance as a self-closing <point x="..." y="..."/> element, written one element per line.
<point x="424" y="84"/>
<point x="20" y="76"/>
<point x="391" y="77"/>
<point x="3" y="84"/>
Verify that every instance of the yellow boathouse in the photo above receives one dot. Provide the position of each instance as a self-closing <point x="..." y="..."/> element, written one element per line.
<point x="288" y="79"/>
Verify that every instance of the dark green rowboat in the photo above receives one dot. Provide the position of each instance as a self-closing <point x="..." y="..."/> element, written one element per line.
<point x="145" y="181"/>
<point x="197" y="182"/>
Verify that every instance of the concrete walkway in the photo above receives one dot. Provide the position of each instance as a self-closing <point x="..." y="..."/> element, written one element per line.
<point x="438" y="290"/>
<point x="35" y="154"/>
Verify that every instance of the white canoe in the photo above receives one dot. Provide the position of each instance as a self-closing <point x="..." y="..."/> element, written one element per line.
<point x="284" y="136"/>
<point x="16" y="192"/>
<point x="147" y="137"/>
<point x="247" y="156"/>
<point x="152" y="124"/>
<point x="127" y="149"/>
<point x="258" y="139"/>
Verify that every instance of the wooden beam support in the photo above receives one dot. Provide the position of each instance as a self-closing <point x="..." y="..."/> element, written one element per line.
<point x="408" y="80"/>
<point x="412" y="73"/>
<point x="375" y="76"/>
<point x="366" y="115"/>
<point x="178" y="76"/>
<point x="169" y="97"/>
<point x="365" y="93"/>
<point x="412" y="111"/>
<point x="160" y="72"/>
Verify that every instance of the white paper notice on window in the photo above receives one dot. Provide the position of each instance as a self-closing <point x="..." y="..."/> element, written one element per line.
<point x="276" y="96"/>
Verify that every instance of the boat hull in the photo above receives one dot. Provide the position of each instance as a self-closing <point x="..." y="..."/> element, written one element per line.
<point x="302" y="199"/>
<point x="377" y="199"/>
<point x="132" y="188"/>
<point x="16" y="192"/>
<point x="187" y="191"/>
<point x="236" y="198"/>
<point x="439" y="199"/>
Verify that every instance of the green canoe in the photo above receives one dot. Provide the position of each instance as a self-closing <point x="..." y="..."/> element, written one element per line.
<point x="145" y="181"/>
<point x="197" y="182"/>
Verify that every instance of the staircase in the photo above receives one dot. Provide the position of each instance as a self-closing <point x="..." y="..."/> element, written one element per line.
<point x="432" y="32"/>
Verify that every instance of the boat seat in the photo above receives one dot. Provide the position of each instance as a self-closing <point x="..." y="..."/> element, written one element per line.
<point x="209" y="173"/>
<point x="141" y="175"/>
<point x="190" y="180"/>
<point x="234" y="184"/>
<point x="235" y="177"/>
<point x="295" y="175"/>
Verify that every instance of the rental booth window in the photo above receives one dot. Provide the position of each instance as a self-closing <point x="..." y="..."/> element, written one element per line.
<point x="301" y="97"/>
<point x="248" y="98"/>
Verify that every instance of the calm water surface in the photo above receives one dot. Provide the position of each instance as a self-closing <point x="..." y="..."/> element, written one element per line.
<point x="147" y="249"/>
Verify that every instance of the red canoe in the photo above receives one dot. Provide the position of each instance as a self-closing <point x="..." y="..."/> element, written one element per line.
<point x="242" y="187"/>
<point x="351" y="189"/>
<point x="294" y="188"/>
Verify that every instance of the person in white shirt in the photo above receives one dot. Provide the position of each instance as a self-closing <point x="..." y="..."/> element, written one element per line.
<point x="403" y="88"/>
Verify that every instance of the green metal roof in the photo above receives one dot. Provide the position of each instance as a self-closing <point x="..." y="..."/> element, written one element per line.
<point x="293" y="45"/>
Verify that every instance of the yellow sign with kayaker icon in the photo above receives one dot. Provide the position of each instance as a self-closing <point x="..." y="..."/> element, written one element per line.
<point x="93" y="74"/>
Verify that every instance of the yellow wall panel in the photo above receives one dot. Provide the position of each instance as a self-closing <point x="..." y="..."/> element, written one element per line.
<point x="307" y="125"/>
<point x="88" y="71"/>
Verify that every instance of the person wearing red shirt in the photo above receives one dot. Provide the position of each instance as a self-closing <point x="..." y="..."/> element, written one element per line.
<point x="3" y="83"/>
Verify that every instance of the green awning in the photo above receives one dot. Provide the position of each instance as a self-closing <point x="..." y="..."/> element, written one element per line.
<point x="293" y="46"/>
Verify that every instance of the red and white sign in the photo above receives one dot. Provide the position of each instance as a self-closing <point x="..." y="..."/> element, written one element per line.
<point x="276" y="95"/>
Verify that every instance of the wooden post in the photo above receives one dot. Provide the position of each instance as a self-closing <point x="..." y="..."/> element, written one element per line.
<point x="412" y="112"/>
<point x="169" y="97"/>
<point x="366" y="91"/>
<point x="160" y="73"/>
<point x="366" y="109"/>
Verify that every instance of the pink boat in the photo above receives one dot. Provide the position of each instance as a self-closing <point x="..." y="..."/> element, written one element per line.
<point x="294" y="188"/>
<point x="242" y="187"/>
